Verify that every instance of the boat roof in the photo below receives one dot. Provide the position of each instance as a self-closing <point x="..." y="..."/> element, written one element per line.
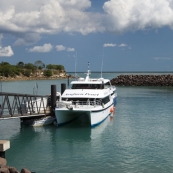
<point x="90" y="81"/>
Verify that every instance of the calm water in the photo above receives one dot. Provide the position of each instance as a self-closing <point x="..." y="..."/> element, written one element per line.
<point x="138" y="139"/>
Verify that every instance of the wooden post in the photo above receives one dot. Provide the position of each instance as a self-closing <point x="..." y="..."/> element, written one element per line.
<point x="53" y="98"/>
<point x="63" y="87"/>
<point x="4" y="145"/>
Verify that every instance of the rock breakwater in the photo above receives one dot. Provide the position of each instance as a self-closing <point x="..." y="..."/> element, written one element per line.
<point x="143" y="80"/>
<point x="8" y="169"/>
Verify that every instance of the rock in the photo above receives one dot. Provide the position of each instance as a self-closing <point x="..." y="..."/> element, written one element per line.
<point x="143" y="80"/>
<point x="24" y="170"/>
<point x="3" y="161"/>
<point x="4" y="170"/>
<point x="3" y="166"/>
<point x="13" y="170"/>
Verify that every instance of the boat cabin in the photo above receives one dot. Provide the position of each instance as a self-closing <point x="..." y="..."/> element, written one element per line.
<point x="91" y="85"/>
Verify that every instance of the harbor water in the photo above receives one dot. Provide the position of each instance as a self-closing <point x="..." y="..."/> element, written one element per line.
<point x="137" y="139"/>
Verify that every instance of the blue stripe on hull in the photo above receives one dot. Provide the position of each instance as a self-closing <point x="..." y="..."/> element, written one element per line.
<point x="93" y="125"/>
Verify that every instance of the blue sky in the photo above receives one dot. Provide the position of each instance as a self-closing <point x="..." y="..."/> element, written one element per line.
<point x="127" y="35"/>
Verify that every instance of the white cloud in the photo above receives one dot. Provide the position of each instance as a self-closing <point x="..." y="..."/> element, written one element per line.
<point x="6" y="51"/>
<point x="78" y="4"/>
<point x="42" y="49"/>
<point x="133" y="15"/>
<point x="29" y="21"/>
<point x="60" y="48"/>
<point x="70" y="49"/>
<point x="109" y="45"/>
<point x="47" y="17"/>
<point x="122" y="45"/>
<point x="27" y="39"/>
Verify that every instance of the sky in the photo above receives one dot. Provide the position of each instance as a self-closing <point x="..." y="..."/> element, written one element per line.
<point x="113" y="35"/>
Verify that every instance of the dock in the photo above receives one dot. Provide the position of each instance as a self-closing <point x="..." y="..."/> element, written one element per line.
<point x="15" y="105"/>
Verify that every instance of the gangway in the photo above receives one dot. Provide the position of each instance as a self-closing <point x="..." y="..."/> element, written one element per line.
<point x="15" y="105"/>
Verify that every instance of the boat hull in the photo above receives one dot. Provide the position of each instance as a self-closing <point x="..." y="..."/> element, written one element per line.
<point x="39" y="122"/>
<point x="66" y="116"/>
<point x="95" y="117"/>
<point x="98" y="117"/>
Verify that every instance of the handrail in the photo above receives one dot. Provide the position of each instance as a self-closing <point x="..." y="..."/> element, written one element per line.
<point x="61" y="104"/>
<point x="19" y="105"/>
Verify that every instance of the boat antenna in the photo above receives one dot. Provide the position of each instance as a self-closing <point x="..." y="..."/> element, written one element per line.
<point x="75" y="63"/>
<point x="88" y="72"/>
<point x="102" y="63"/>
<point x="35" y="89"/>
<point x="89" y="69"/>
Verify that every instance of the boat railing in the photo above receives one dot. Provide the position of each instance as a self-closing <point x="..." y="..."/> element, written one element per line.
<point x="77" y="104"/>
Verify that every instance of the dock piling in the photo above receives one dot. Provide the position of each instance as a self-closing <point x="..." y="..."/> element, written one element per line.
<point x="53" y="98"/>
<point x="4" y="145"/>
<point x="63" y="87"/>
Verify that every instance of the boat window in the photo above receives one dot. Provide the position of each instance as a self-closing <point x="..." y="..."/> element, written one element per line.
<point x="105" y="100"/>
<point x="86" y="86"/>
<point x="77" y="99"/>
<point x="107" y="85"/>
<point x="83" y="100"/>
<point x="113" y="93"/>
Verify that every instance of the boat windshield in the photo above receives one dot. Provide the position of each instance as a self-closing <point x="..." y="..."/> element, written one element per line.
<point x="107" y="85"/>
<point x="87" y="86"/>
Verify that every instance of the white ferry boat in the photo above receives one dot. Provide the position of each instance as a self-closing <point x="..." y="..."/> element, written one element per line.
<point x="92" y="98"/>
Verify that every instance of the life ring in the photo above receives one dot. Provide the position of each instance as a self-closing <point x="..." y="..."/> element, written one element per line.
<point x="111" y="110"/>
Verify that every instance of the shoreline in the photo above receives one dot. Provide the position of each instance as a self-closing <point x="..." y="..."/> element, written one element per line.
<point x="24" y="78"/>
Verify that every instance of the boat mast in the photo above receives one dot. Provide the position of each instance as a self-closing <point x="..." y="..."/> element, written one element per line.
<point x="102" y="62"/>
<point x="88" y="73"/>
<point x="75" y="63"/>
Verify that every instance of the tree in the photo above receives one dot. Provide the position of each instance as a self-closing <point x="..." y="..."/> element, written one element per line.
<point x="31" y="67"/>
<point x="49" y="66"/>
<point x="59" y="67"/>
<point x="8" y="70"/>
<point x="27" y="73"/>
<point x="39" y="64"/>
<point x="20" y="64"/>
<point x="55" y="67"/>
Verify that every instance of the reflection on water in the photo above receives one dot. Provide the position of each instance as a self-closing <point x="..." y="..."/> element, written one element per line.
<point x="52" y="143"/>
<point x="98" y="130"/>
<point x="9" y="128"/>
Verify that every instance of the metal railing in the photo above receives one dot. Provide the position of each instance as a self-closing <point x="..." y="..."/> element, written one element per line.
<point x="77" y="104"/>
<point x="19" y="105"/>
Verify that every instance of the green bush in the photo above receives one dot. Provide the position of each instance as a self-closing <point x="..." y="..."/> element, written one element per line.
<point x="55" y="67"/>
<point x="56" y="72"/>
<point x="47" y="73"/>
<point x="27" y="73"/>
<point x="8" y="70"/>
<point x="31" y="67"/>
